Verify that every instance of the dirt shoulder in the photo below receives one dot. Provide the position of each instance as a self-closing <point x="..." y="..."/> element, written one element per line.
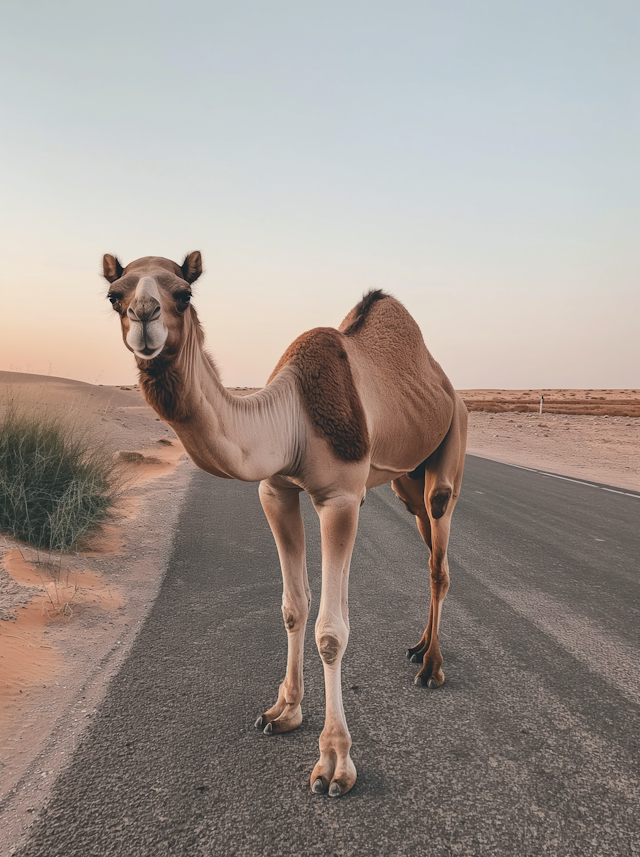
<point x="584" y="434"/>
<point x="66" y="624"/>
<point x="598" y="449"/>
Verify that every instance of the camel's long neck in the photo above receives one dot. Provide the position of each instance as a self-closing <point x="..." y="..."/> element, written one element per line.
<point x="248" y="438"/>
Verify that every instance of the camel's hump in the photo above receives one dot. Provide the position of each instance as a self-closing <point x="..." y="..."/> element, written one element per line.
<point x="328" y="391"/>
<point x="358" y="315"/>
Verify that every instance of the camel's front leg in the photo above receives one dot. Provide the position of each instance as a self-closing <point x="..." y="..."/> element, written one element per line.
<point x="335" y="771"/>
<point x="282" y="508"/>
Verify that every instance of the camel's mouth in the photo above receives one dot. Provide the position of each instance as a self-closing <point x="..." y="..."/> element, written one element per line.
<point x="147" y="353"/>
<point x="147" y="340"/>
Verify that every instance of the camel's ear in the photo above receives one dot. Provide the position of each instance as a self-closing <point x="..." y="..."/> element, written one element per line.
<point x="111" y="268"/>
<point x="192" y="266"/>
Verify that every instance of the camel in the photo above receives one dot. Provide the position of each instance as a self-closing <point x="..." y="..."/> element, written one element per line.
<point x="344" y="410"/>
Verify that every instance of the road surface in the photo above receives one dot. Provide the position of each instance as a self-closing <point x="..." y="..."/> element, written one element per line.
<point x="531" y="747"/>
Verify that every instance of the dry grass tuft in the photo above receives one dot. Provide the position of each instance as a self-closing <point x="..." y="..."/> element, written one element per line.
<point x="56" y="483"/>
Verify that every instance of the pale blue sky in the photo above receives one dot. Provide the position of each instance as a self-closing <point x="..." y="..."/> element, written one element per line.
<point x="480" y="160"/>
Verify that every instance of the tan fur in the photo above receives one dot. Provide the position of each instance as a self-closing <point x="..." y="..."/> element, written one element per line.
<point x="405" y="393"/>
<point x="344" y="410"/>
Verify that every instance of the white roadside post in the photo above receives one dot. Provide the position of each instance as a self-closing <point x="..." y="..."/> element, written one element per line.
<point x="541" y="404"/>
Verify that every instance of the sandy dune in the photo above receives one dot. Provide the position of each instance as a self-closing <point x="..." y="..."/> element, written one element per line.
<point x="116" y="416"/>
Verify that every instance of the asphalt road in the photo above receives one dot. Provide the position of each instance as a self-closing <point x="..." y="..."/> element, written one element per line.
<point x="531" y="747"/>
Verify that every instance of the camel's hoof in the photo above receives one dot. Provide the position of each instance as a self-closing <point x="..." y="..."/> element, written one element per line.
<point x="334" y="790"/>
<point x="421" y="681"/>
<point x="318" y="787"/>
<point x="268" y="729"/>
<point x="415" y="659"/>
<point x="260" y="722"/>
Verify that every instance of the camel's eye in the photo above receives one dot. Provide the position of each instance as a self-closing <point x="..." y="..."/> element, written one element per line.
<point x="114" y="298"/>
<point x="183" y="299"/>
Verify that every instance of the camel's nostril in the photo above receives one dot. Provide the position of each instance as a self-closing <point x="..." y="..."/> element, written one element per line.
<point x="144" y="313"/>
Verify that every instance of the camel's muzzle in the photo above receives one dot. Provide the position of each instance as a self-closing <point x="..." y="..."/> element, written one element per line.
<point x="147" y="334"/>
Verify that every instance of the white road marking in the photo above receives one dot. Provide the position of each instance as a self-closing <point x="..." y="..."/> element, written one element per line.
<point x="569" y="479"/>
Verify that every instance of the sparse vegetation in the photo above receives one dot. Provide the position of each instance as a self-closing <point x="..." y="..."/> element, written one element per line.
<point x="56" y="484"/>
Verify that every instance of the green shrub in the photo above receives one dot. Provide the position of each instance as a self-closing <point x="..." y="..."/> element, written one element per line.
<point x="55" y="484"/>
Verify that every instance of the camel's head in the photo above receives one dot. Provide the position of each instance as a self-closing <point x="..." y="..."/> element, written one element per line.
<point x="151" y="296"/>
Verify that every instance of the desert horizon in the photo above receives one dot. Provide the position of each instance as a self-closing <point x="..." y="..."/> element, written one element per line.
<point x="615" y="401"/>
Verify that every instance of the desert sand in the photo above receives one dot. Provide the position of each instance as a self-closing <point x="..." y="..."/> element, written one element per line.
<point x="596" y="449"/>
<point x="67" y="624"/>
<point x="584" y="434"/>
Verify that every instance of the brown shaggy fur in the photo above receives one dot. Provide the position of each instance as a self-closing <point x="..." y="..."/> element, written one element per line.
<point x="328" y="391"/>
<point x="161" y="384"/>
<point x="357" y="317"/>
<point x="162" y="380"/>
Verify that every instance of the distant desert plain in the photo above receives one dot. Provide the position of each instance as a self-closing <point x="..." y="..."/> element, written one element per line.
<point x="67" y="622"/>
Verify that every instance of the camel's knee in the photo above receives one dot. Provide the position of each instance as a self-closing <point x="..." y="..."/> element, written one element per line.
<point x="331" y="643"/>
<point x="294" y="613"/>
<point x="329" y="648"/>
<point x="439" y="570"/>
<point x="438" y="501"/>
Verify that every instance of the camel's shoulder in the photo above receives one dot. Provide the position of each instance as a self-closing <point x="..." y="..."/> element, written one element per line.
<point x="328" y="391"/>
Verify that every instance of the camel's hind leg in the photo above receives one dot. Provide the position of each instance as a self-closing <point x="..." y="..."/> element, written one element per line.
<point x="432" y="497"/>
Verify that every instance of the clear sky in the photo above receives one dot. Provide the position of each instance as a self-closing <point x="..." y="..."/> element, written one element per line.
<point x="478" y="159"/>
